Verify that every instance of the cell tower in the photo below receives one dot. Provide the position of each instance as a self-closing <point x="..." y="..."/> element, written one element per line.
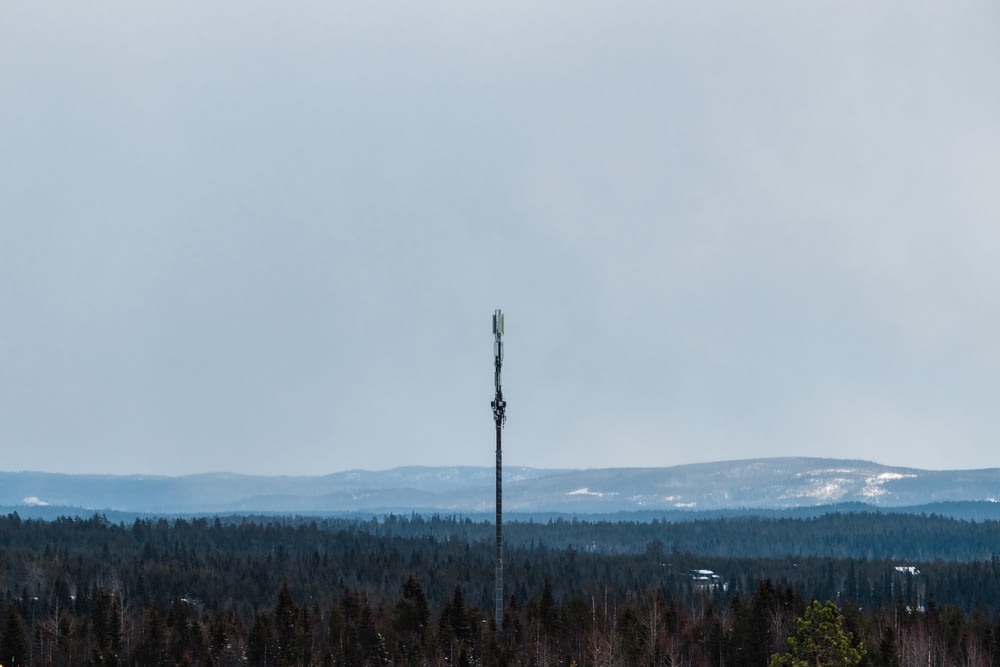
<point x="499" y="406"/>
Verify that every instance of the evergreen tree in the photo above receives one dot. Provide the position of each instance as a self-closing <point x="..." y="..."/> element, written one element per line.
<point x="455" y="629"/>
<point x="304" y="636"/>
<point x="260" y="643"/>
<point x="629" y="630"/>
<point x="107" y="629"/>
<point x="152" y="646"/>
<point x="220" y="642"/>
<point x="183" y="638"/>
<point x="888" y="649"/>
<point x="548" y="613"/>
<point x="412" y="623"/>
<point x="820" y="640"/>
<point x="286" y="617"/>
<point x="511" y="621"/>
<point x="14" y="638"/>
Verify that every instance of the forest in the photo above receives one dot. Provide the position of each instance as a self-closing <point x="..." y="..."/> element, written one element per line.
<point x="413" y="590"/>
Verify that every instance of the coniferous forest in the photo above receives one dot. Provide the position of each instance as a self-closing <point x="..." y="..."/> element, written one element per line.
<point x="905" y="590"/>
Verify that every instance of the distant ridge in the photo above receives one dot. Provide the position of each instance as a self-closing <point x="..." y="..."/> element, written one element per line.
<point x="763" y="484"/>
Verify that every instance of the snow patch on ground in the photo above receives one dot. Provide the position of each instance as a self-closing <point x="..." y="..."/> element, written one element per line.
<point x="834" y="484"/>
<point x="585" y="491"/>
<point x="821" y="491"/>
<point x="833" y="490"/>
<point x="873" y="488"/>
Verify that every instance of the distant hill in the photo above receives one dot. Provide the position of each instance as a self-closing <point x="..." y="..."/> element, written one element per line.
<point x="762" y="484"/>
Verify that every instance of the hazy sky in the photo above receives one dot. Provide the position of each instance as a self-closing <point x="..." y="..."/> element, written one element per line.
<point x="268" y="237"/>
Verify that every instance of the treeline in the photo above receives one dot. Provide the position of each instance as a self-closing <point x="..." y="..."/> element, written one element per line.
<point x="408" y="590"/>
<point x="869" y="535"/>
<point x="641" y="629"/>
<point x="859" y="535"/>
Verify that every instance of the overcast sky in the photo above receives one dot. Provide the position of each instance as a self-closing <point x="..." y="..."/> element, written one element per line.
<point x="268" y="237"/>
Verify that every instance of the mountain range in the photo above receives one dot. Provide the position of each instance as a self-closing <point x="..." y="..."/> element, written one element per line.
<point x="760" y="484"/>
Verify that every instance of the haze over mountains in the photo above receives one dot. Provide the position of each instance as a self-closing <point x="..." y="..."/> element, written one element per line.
<point x="765" y="484"/>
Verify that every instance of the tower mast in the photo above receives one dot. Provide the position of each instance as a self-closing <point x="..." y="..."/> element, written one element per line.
<point x="499" y="406"/>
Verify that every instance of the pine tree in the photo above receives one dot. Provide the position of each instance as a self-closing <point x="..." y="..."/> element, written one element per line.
<point x="820" y="640"/>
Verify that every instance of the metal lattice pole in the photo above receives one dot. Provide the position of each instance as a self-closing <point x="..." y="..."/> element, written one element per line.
<point x="499" y="406"/>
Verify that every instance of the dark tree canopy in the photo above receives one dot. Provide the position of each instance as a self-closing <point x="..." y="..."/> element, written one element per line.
<point x="418" y="591"/>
